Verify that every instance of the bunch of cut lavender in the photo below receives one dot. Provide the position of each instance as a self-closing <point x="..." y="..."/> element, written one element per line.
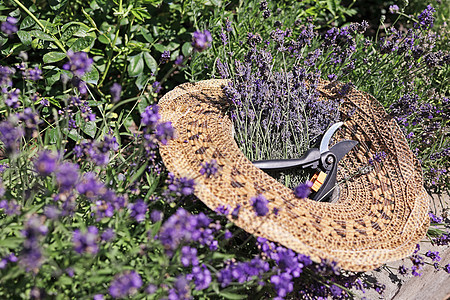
<point x="276" y="112"/>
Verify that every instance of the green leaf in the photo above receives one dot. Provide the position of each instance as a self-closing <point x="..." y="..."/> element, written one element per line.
<point x="141" y="80"/>
<point x="82" y="44"/>
<point x="41" y="35"/>
<point x="57" y="4"/>
<point x="27" y="22"/>
<point x="186" y="49"/>
<point x="92" y="76"/>
<point x="89" y="128"/>
<point x="232" y="296"/>
<point x="51" y="136"/>
<point x="136" y="65"/>
<point x="52" y="57"/>
<point x="331" y="4"/>
<point x="138" y="173"/>
<point x="150" y="62"/>
<point x="52" y="76"/>
<point x="147" y="35"/>
<point x="11" y="242"/>
<point x="25" y="37"/>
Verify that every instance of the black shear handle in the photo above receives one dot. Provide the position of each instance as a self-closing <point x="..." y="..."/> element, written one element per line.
<point x="310" y="159"/>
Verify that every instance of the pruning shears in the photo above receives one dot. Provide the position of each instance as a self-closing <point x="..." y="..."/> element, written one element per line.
<point x="322" y="159"/>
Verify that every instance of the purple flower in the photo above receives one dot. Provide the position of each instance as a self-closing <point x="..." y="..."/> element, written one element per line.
<point x="34" y="74"/>
<point x="99" y="297"/>
<point x="115" y="91"/>
<point x="188" y="256"/>
<point x="9" y="26"/>
<point x="156" y="216"/>
<point x="12" y="98"/>
<point x="303" y="190"/>
<point x="5" y="78"/>
<point x="435" y="219"/>
<point x="31" y="256"/>
<point x="201" y="276"/>
<point x="447" y="268"/>
<point x="180" y="289"/>
<point x="235" y="212"/>
<point x="151" y="289"/>
<point x="393" y="9"/>
<point x="165" y="132"/>
<point x="180" y="186"/>
<point x="125" y="284"/>
<point x="86" y="242"/>
<point x="402" y="270"/>
<point x="138" y="210"/>
<point x="108" y="235"/>
<point x="67" y="175"/>
<point x="10" y="207"/>
<point x="201" y="40"/>
<point x="45" y="163"/>
<point x="179" y="60"/>
<point x="150" y="116"/>
<point x="52" y="212"/>
<point x="79" y="63"/>
<point x="426" y="18"/>
<point x="377" y="157"/>
<point x="183" y="227"/>
<point x="165" y="57"/>
<point x="90" y="186"/>
<point x="209" y="168"/>
<point x="282" y="283"/>
<point x="156" y="87"/>
<point x="433" y="255"/>
<point x="259" y="204"/>
<point x="10" y="135"/>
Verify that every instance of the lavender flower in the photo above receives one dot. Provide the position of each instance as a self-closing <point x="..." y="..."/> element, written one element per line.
<point x="447" y="268"/>
<point x="5" y="77"/>
<point x="180" y="289"/>
<point x="303" y="190"/>
<point x="85" y="242"/>
<point x="165" y="57"/>
<point x="115" y="91"/>
<point x="138" y="210"/>
<point x="183" y="227"/>
<point x="9" y="26"/>
<point x="259" y="204"/>
<point x="188" y="256"/>
<point x="282" y="283"/>
<point x="434" y="218"/>
<point x="209" y="168"/>
<point x="79" y="63"/>
<point x="67" y="175"/>
<point x="180" y="186"/>
<point x="201" y="40"/>
<point x="393" y="9"/>
<point x="426" y="18"/>
<point x="10" y="208"/>
<point x="34" y="74"/>
<point x="108" y="235"/>
<point x="125" y="284"/>
<point x="31" y="256"/>
<point x="150" y="116"/>
<point x="434" y="255"/>
<point x="12" y="98"/>
<point x="201" y="276"/>
<point x="235" y="212"/>
<point x="165" y="132"/>
<point x="179" y="60"/>
<point x="45" y="164"/>
<point x="10" y="136"/>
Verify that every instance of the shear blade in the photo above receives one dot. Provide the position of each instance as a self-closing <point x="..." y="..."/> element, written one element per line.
<point x="328" y="135"/>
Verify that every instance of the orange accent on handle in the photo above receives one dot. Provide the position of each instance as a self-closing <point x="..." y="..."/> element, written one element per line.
<point x="317" y="180"/>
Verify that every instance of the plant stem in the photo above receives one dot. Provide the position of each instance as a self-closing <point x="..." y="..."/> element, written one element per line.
<point x="55" y="40"/>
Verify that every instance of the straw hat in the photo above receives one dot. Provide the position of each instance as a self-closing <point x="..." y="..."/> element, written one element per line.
<point x="382" y="209"/>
